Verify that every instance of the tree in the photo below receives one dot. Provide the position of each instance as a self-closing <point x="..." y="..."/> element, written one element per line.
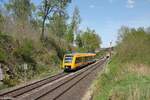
<point x="133" y="44"/>
<point x="79" y="41"/>
<point x="21" y="10"/>
<point x="58" y="25"/>
<point x="75" y="20"/>
<point x="90" y="40"/>
<point x="72" y="28"/>
<point x="48" y="8"/>
<point x="2" y="20"/>
<point x="69" y="37"/>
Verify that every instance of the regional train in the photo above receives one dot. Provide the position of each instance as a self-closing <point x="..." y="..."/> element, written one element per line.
<point x="75" y="61"/>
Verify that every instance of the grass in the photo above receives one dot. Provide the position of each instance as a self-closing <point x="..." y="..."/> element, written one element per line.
<point x="51" y="71"/>
<point x="3" y="86"/>
<point x="127" y="76"/>
<point x="123" y="81"/>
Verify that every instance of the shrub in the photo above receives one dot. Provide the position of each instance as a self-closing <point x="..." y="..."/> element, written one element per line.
<point x="133" y="45"/>
<point x="3" y="55"/>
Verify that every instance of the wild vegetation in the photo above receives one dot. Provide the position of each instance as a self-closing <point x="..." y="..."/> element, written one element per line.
<point x="88" y="41"/>
<point x="127" y="75"/>
<point x="34" y="38"/>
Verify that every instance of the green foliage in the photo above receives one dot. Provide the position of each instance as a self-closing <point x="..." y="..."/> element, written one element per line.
<point x="73" y="26"/>
<point x="69" y="37"/>
<point x="126" y="76"/>
<point x="2" y="20"/>
<point x="76" y="20"/>
<point x="58" y="25"/>
<point x="58" y="45"/>
<point x="82" y="50"/>
<point x="14" y="54"/>
<point x="20" y="9"/>
<point x="102" y="53"/>
<point x="26" y="48"/>
<point x="90" y="40"/>
<point x="20" y="16"/>
<point x="49" y="10"/>
<point x="25" y="53"/>
<point x="10" y="82"/>
<point x="3" y="55"/>
<point x="5" y="46"/>
<point x="22" y="44"/>
<point x="134" y="45"/>
<point x="118" y="82"/>
<point x="79" y="41"/>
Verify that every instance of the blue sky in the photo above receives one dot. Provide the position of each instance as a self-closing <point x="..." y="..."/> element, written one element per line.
<point x="107" y="16"/>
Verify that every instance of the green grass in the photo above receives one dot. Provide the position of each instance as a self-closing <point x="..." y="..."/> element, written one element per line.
<point x="50" y="71"/>
<point x="3" y="86"/>
<point x="118" y="82"/>
<point x="127" y="76"/>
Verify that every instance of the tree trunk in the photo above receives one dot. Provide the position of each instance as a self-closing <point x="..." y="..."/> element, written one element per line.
<point x="43" y="28"/>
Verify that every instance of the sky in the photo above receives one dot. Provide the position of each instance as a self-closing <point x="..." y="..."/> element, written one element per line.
<point x="107" y="16"/>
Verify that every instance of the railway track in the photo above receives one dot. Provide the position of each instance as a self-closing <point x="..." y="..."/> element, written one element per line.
<point x="27" y="88"/>
<point x="58" y="91"/>
<point x="52" y="88"/>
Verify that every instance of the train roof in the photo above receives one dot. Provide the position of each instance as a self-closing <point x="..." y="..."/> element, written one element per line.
<point x="81" y="54"/>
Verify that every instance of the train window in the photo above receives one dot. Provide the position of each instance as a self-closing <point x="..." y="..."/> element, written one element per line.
<point x="68" y="59"/>
<point x="83" y="59"/>
<point x="78" y="60"/>
<point x="90" y="58"/>
<point x="87" y="58"/>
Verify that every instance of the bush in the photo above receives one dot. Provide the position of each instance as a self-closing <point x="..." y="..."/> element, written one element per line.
<point x="10" y="82"/>
<point x="3" y="55"/>
<point x="39" y="59"/>
<point x="127" y="75"/>
<point x="134" y="45"/>
<point x="25" y="49"/>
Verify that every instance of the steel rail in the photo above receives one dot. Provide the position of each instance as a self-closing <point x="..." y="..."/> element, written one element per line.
<point x="88" y="71"/>
<point x="26" y="88"/>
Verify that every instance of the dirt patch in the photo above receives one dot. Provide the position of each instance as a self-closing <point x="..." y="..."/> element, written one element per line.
<point x="139" y="68"/>
<point x="88" y="95"/>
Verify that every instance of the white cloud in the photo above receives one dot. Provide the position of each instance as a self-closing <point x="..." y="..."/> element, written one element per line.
<point x="130" y="3"/>
<point x="92" y="6"/>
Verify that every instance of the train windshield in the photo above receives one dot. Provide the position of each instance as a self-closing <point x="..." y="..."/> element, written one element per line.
<point x="68" y="58"/>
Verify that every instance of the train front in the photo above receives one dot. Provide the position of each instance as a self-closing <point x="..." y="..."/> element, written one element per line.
<point x="67" y="62"/>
